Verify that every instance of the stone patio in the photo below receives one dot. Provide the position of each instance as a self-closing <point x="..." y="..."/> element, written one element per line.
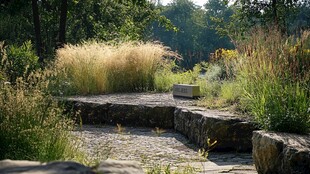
<point x="153" y="148"/>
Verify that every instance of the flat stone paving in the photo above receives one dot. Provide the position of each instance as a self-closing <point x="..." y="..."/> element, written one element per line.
<point x="156" y="99"/>
<point x="153" y="148"/>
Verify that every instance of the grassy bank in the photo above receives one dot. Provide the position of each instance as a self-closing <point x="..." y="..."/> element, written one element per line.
<point x="268" y="78"/>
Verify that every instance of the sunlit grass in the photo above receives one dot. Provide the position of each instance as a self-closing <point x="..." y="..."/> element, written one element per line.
<point x="33" y="126"/>
<point x="97" y="68"/>
<point x="275" y="74"/>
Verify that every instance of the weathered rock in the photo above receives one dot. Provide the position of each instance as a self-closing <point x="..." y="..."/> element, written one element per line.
<point x="68" y="167"/>
<point x="30" y="167"/>
<point x="17" y="163"/>
<point x="281" y="152"/>
<point x="232" y="133"/>
<point x="124" y="167"/>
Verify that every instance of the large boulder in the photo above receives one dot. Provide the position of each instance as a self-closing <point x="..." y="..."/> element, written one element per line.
<point x="281" y="152"/>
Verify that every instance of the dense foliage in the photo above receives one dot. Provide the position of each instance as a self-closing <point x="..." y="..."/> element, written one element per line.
<point x="197" y="36"/>
<point x="86" y="19"/>
<point x="18" y="61"/>
<point x="275" y="74"/>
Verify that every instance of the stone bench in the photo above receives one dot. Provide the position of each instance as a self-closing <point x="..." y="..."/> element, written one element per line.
<point x="185" y="90"/>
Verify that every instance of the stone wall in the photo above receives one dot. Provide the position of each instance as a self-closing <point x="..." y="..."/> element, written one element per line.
<point x="124" y="114"/>
<point x="230" y="132"/>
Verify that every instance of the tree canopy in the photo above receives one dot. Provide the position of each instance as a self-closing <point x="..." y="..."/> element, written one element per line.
<point x="191" y="30"/>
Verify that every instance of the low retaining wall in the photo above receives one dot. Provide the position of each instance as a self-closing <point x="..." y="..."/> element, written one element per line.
<point x="230" y="132"/>
<point x="233" y="133"/>
<point x="124" y="114"/>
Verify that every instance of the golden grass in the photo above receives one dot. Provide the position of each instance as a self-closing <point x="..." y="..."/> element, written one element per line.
<point x="94" y="68"/>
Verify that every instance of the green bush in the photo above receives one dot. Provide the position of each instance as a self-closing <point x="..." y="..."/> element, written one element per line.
<point x="275" y="73"/>
<point x="214" y="72"/>
<point x="18" y="61"/>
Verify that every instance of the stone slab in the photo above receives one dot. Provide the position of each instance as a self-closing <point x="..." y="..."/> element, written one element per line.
<point x="185" y="90"/>
<point x="122" y="167"/>
<point x="34" y="167"/>
<point x="69" y="167"/>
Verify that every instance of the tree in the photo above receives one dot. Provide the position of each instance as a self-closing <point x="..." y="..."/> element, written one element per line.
<point x="37" y="28"/>
<point x="62" y="23"/>
<point x="267" y="12"/>
<point x="217" y="17"/>
<point x="196" y="37"/>
<point x="52" y="23"/>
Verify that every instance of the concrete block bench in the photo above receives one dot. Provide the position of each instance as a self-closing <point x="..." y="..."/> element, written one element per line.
<point x="185" y="90"/>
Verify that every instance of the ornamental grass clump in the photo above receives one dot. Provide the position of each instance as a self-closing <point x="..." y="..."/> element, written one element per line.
<point x="32" y="124"/>
<point x="97" y="68"/>
<point x="275" y="74"/>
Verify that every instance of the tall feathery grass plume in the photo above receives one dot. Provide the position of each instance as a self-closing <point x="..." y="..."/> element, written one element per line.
<point x="97" y="68"/>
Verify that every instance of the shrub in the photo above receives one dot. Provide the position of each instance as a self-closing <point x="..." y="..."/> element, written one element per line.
<point x="32" y="124"/>
<point x="214" y="72"/>
<point x="18" y="61"/>
<point x="225" y="59"/>
<point x="93" y="68"/>
<point x="275" y="72"/>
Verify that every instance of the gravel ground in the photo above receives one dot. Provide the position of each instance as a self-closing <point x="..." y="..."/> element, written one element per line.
<point x="154" y="148"/>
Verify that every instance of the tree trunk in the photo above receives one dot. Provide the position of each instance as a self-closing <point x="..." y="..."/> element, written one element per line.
<point x="62" y="23"/>
<point x="275" y="12"/>
<point x="37" y="28"/>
